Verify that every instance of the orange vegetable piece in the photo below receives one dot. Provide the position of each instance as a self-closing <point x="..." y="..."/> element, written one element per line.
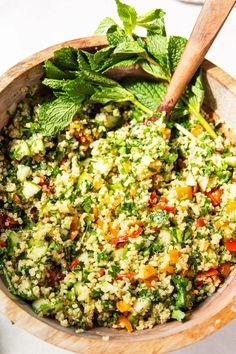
<point x="210" y="273"/>
<point x="174" y="256"/>
<point x="148" y="282"/>
<point x="123" y="321"/>
<point x="166" y="132"/>
<point x="184" y="192"/>
<point x="149" y="271"/>
<point x="225" y="269"/>
<point x="230" y="207"/>
<point x="168" y="269"/>
<point x="197" y="130"/>
<point x="122" y="306"/>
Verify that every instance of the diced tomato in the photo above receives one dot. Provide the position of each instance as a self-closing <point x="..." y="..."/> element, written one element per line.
<point x="230" y="246"/>
<point x="101" y="272"/>
<point x="153" y="199"/>
<point x="52" y="278"/>
<point x="167" y="208"/>
<point x="215" y="196"/>
<point x="2" y="243"/>
<point x="225" y="269"/>
<point x="74" y="264"/>
<point x="162" y="205"/>
<point x="199" y="282"/>
<point x="61" y="276"/>
<point x="137" y="232"/>
<point x="7" y="221"/>
<point x="201" y="222"/>
<point x="210" y="273"/>
<point x="128" y="275"/>
<point x="154" y="118"/>
<point x="155" y="228"/>
<point x="121" y="239"/>
<point x="74" y="223"/>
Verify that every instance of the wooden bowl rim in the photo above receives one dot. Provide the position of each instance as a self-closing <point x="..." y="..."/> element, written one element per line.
<point x="169" y="336"/>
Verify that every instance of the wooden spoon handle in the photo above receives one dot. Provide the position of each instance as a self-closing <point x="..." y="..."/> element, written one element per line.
<point x="209" y="22"/>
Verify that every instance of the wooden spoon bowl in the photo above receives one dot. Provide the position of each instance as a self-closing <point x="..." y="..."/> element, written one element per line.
<point x="214" y="313"/>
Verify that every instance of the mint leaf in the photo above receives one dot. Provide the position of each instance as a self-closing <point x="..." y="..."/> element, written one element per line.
<point x="102" y="58"/>
<point x="176" y="46"/>
<point x="111" y="94"/>
<point x="96" y="78"/>
<point x="55" y="116"/>
<point x="116" y="35"/>
<point x="53" y="72"/>
<point x="78" y="90"/>
<point x="153" y="21"/>
<point x="123" y="63"/>
<point x="129" y="48"/>
<point x="197" y="93"/>
<point x="54" y="84"/>
<point x="157" y="46"/>
<point x="82" y="61"/>
<point x="154" y="70"/>
<point x="104" y="25"/>
<point x="66" y="58"/>
<point x="128" y="16"/>
<point x="151" y="16"/>
<point x="150" y="94"/>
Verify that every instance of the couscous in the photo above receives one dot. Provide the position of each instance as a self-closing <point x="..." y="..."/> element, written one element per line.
<point x="124" y="226"/>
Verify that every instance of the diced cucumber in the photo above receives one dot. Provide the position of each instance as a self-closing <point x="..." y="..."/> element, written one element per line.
<point x="103" y="165"/>
<point x="165" y="237"/>
<point x="42" y="305"/>
<point x="190" y="180"/>
<point x="38" y="251"/>
<point x="231" y="160"/>
<point x="81" y="291"/>
<point x="37" y="146"/>
<point x="21" y="151"/>
<point x="142" y="305"/>
<point x="30" y="189"/>
<point x="46" y="306"/>
<point x="23" y="172"/>
<point x="203" y="182"/>
<point x="13" y="241"/>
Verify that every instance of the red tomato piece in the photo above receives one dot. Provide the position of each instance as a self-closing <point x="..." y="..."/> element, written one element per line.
<point x="230" y="246"/>
<point x="215" y="196"/>
<point x="74" y="264"/>
<point x="201" y="222"/>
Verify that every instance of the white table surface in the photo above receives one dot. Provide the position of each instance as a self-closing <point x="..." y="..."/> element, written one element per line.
<point x="27" y="26"/>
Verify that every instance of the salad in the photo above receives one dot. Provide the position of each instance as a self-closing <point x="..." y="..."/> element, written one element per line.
<point x="112" y="214"/>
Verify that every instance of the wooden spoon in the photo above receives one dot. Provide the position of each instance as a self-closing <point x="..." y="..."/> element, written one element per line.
<point x="209" y="22"/>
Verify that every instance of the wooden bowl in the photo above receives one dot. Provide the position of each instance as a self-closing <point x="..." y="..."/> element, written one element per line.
<point x="214" y="313"/>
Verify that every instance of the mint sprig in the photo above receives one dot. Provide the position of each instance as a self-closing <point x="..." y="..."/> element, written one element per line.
<point x="78" y="77"/>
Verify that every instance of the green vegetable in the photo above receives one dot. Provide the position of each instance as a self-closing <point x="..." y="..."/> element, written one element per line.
<point x="181" y="284"/>
<point x="55" y="116"/>
<point x="77" y="77"/>
<point x="104" y="25"/>
<point x="178" y="315"/>
<point x="128" y="16"/>
<point x="7" y="279"/>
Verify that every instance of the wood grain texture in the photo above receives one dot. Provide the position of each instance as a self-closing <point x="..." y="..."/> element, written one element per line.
<point x="209" y="317"/>
<point x="209" y="22"/>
